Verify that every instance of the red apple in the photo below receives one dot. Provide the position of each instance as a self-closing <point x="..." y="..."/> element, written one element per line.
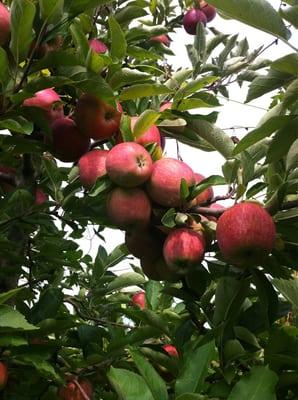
<point x="3" y="375"/>
<point x="40" y="196"/>
<point x="165" y="106"/>
<point x="97" y="46"/>
<point x="164" y="39"/>
<point x="152" y="135"/>
<point x="129" y="208"/>
<point x="4" y="24"/>
<point x="129" y="164"/>
<point x="171" y="350"/>
<point x="164" y="183"/>
<point x="144" y="243"/>
<point x="92" y="166"/>
<point x="49" y="101"/>
<point x="208" y="10"/>
<point x="139" y="300"/>
<point x="204" y="196"/>
<point x="183" y="250"/>
<point x="68" y="142"/>
<point x="192" y="18"/>
<point x="215" y="206"/>
<point x="245" y="234"/>
<point x="158" y="270"/>
<point x="72" y="391"/>
<point x="95" y="118"/>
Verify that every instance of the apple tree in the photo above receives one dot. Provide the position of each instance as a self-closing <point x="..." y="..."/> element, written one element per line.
<point x="88" y="100"/>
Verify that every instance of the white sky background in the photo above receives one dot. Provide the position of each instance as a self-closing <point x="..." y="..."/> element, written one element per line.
<point x="231" y="114"/>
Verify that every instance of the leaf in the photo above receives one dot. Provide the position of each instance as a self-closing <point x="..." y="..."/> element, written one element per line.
<point x="4" y="67"/>
<point x="13" y="319"/>
<point x="51" y="11"/>
<point x="258" y="13"/>
<point x="282" y="141"/>
<point x="48" y="305"/>
<point x="195" y="369"/>
<point x="129" y="385"/>
<point x="127" y="76"/>
<point x="192" y="87"/>
<point x="213" y="180"/>
<point x="191" y="396"/>
<point x="125" y="280"/>
<point x="255" y="189"/>
<point x="128" y="13"/>
<point x="79" y="6"/>
<point x="266" y="83"/>
<point x="119" y="45"/>
<point x="292" y="156"/>
<point x="143" y="90"/>
<point x="287" y="64"/>
<point x="12" y="341"/>
<point x="42" y="366"/>
<point x="168" y="218"/>
<point x="289" y="289"/>
<point x="291" y="94"/>
<point x="259" y="384"/>
<point x="8" y="295"/>
<point x="266" y="129"/>
<point x="144" y="122"/>
<point x="155" y="383"/>
<point x="22" y="17"/>
<point x="281" y="351"/>
<point x="153" y="289"/>
<point x="291" y="15"/>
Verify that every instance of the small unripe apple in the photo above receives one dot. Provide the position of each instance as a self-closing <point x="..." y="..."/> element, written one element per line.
<point x="49" y="101"/>
<point x="171" y="350"/>
<point x="183" y="250"/>
<point x="95" y="118"/>
<point x="73" y="392"/>
<point x="139" y="300"/>
<point x="129" y="208"/>
<point x="192" y="18"/>
<point x="40" y="196"/>
<point x="98" y="46"/>
<point x="164" y="39"/>
<point x="128" y="164"/>
<point x="208" y="10"/>
<point x="204" y="196"/>
<point x="67" y="141"/>
<point x="92" y="165"/>
<point x="4" y="24"/>
<point x="3" y="375"/>
<point x="245" y="234"/>
<point x="164" y="184"/>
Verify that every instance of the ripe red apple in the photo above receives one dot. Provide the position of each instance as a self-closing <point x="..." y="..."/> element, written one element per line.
<point x="171" y="350"/>
<point x="215" y="206"/>
<point x="164" y="39"/>
<point x="4" y="24"/>
<point x="245" y="234"/>
<point x="67" y="141"/>
<point x="183" y="249"/>
<point x="49" y="101"/>
<point x="3" y="375"/>
<point x="204" y="196"/>
<point x="129" y="208"/>
<point x="95" y="118"/>
<point x="152" y="135"/>
<point x="73" y="392"/>
<point x="92" y="166"/>
<point x="129" y="164"/>
<point x="158" y="270"/>
<point x="208" y="10"/>
<point x="139" y="300"/>
<point x="192" y="18"/>
<point x="40" y="196"/>
<point x="144" y="243"/>
<point x="97" y="46"/>
<point x="164" y="184"/>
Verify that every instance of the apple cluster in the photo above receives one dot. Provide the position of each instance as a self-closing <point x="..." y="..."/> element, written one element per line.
<point x="203" y="13"/>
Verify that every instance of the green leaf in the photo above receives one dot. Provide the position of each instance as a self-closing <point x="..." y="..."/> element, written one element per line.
<point x="48" y="305"/>
<point x="51" y="11"/>
<point x="259" y="384"/>
<point x="213" y="180"/>
<point x="287" y="64"/>
<point x="13" y="319"/>
<point x="289" y="289"/>
<point x="144" y="122"/>
<point x="4" y="67"/>
<point x="290" y="14"/>
<point x="266" y="83"/>
<point x="119" y="45"/>
<point x="192" y="87"/>
<point x="155" y="383"/>
<point x="258" y="13"/>
<point x="192" y="396"/>
<point x="153" y="289"/>
<point x="42" y="366"/>
<point x="129" y="385"/>
<point x="8" y="295"/>
<point x="128" y="13"/>
<point x="266" y="129"/>
<point x="282" y="141"/>
<point x="195" y="369"/>
<point x="200" y="41"/>
<point x="80" y="41"/>
<point x="168" y="218"/>
<point x="281" y="351"/>
<point x="143" y="90"/>
<point x="79" y="6"/>
<point x="22" y="17"/>
<point x="125" y="280"/>
<point x="292" y="156"/>
<point x="291" y="94"/>
<point x="255" y="189"/>
<point x="12" y="341"/>
<point x="127" y="76"/>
